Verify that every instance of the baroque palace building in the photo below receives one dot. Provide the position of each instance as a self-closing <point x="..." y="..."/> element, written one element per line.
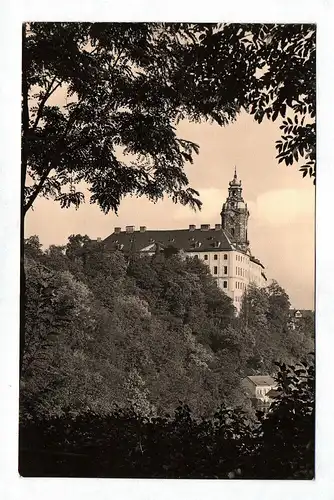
<point x="224" y="247"/>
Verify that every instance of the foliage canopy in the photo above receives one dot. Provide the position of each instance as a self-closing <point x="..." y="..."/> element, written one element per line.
<point x="128" y="85"/>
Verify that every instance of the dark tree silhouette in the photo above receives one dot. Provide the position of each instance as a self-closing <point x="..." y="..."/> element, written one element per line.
<point x="128" y="85"/>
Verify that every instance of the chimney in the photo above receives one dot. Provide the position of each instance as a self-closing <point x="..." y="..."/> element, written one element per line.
<point x="117" y="230"/>
<point x="192" y="227"/>
<point x="205" y="227"/>
<point x="142" y="229"/>
<point x="98" y="240"/>
<point x="129" y="229"/>
<point x="218" y="226"/>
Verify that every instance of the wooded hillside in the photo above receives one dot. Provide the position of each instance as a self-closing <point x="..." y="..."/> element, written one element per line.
<point x="148" y="332"/>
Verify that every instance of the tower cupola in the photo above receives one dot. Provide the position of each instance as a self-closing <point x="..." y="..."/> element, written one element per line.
<point x="234" y="214"/>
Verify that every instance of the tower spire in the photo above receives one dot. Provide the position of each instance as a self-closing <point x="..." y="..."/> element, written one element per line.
<point x="235" y="214"/>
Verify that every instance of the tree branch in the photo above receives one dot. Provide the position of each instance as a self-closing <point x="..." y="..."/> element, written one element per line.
<point x="39" y="186"/>
<point x="70" y="123"/>
<point x="47" y="171"/>
<point x="48" y="94"/>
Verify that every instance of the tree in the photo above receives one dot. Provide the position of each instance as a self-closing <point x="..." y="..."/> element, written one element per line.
<point x="150" y="317"/>
<point x="227" y="444"/>
<point x="128" y="85"/>
<point x="287" y="86"/>
<point x="33" y="247"/>
<point x="125" y="94"/>
<point x="289" y="451"/>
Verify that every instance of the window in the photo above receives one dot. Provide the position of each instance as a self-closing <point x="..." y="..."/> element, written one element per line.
<point x="215" y="270"/>
<point x="225" y="284"/>
<point x="225" y="256"/>
<point x="225" y="269"/>
<point x="236" y="271"/>
<point x="205" y="257"/>
<point x="196" y="257"/>
<point x="215" y="257"/>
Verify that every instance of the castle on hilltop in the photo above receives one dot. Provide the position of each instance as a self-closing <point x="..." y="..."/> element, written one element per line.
<point x="224" y="248"/>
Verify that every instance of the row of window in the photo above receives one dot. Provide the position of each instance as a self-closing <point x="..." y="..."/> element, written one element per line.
<point x="241" y="272"/>
<point x="215" y="269"/>
<point x="241" y="258"/>
<point x="240" y="286"/>
<point x="215" y="257"/>
<point x="224" y="284"/>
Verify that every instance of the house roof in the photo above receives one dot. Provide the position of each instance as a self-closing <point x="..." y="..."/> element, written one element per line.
<point x="302" y="313"/>
<point x="273" y="393"/>
<point x="265" y="380"/>
<point x="188" y="240"/>
<point x="256" y="261"/>
<point x="198" y="240"/>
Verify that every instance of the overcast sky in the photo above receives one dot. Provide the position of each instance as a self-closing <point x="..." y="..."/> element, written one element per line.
<point x="281" y="203"/>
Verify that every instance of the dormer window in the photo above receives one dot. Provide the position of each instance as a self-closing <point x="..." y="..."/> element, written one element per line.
<point x="196" y="244"/>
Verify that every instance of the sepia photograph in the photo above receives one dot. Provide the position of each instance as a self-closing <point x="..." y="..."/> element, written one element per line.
<point x="167" y="273"/>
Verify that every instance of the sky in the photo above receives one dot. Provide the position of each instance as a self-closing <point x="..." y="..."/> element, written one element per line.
<point x="280" y="201"/>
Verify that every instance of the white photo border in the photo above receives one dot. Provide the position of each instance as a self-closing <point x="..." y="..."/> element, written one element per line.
<point x="13" y="14"/>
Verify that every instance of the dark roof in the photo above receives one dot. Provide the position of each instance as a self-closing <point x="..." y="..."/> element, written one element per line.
<point x="303" y="312"/>
<point x="273" y="393"/>
<point x="185" y="239"/>
<point x="262" y="380"/>
<point x="256" y="261"/>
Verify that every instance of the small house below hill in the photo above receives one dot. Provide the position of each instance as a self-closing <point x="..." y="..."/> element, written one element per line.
<point x="258" y="386"/>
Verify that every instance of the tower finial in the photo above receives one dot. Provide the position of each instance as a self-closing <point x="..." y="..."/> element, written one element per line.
<point x="235" y="172"/>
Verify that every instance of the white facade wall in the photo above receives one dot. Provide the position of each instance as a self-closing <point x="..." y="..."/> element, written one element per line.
<point x="234" y="271"/>
<point x="257" y="391"/>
